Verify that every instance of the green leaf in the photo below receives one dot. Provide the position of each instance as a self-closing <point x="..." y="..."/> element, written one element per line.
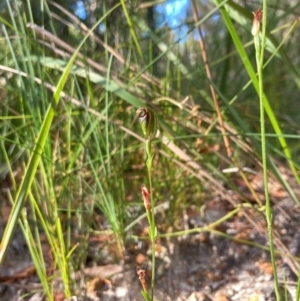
<point x="146" y="296"/>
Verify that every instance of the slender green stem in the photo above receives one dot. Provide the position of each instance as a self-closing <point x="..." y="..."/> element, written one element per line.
<point x="153" y="232"/>
<point x="298" y="287"/>
<point x="259" y="49"/>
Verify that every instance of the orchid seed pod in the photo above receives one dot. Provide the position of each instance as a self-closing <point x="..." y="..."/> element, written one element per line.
<point x="256" y="22"/>
<point x="146" y="197"/>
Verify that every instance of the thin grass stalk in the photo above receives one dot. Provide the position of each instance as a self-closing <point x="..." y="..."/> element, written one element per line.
<point x="7" y="161"/>
<point x="63" y="262"/>
<point x="48" y="228"/>
<point x="152" y="223"/>
<point x="259" y="54"/>
<point x="107" y="205"/>
<point x="37" y="257"/>
<point x="28" y="66"/>
<point x="36" y="251"/>
<point x="298" y="287"/>
<point x="286" y="291"/>
<point x="15" y="27"/>
<point x="209" y="75"/>
<point x="108" y="153"/>
<point x="131" y="27"/>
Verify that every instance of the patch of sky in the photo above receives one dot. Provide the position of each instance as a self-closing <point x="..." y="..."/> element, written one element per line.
<point x="80" y="11"/>
<point x="101" y="28"/>
<point x="173" y="14"/>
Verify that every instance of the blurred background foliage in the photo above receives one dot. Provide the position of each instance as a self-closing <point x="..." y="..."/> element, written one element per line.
<point x="142" y="53"/>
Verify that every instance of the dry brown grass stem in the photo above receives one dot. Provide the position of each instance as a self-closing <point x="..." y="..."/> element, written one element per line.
<point x="209" y="76"/>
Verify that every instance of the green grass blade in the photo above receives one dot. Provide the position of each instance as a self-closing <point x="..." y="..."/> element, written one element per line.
<point x="266" y="103"/>
<point x="131" y="27"/>
<point x="244" y="18"/>
<point x="96" y="78"/>
<point x="38" y="150"/>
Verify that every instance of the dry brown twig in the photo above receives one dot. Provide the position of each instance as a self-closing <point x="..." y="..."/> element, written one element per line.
<point x="209" y="76"/>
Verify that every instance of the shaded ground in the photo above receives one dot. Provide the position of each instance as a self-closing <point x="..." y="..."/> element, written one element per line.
<point x="199" y="266"/>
